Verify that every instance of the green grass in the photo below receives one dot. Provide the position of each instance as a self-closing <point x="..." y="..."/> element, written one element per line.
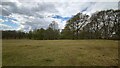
<point x="60" y="53"/>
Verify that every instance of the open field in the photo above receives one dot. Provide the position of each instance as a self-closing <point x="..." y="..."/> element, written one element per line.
<point x="60" y="52"/>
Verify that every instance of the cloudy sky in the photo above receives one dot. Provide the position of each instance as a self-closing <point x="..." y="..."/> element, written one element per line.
<point x="26" y="15"/>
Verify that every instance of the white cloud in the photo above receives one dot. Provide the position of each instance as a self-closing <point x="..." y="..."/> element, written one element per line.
<point x="98" y="6"/>
<point x="1" y="20"/>
<point x="4" y="27"/>
<point x="15" y="22"/>
<point x="38" y="14"/>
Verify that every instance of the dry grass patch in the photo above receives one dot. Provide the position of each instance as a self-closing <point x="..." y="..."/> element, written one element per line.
<point x="60" y="53"/>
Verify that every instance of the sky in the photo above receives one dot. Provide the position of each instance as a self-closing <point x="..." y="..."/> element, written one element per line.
<point x="27" y="15"/>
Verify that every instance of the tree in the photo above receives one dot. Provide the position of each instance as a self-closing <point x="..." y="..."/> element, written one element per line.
<point x="104" y="24"/>
<point x="75" y="24"/>
<point x="52" y="34"/>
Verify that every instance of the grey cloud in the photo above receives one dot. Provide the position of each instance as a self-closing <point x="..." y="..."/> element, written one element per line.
<point x="87" y="6"/>
<point x="41" y="8"/>
<point x="5" y="12"/>
<point x="48" y="7"/>
<point x="98" y="6"/>
<point x="8" y="8"/>
<point x="37" y="23"/>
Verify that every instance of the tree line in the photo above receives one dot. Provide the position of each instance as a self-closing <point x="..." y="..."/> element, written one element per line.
<point x="36" y="34"/>
<point x="100" y="25"/>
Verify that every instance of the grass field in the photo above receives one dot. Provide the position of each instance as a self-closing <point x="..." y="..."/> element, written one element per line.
<point x="60" y="53"/>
